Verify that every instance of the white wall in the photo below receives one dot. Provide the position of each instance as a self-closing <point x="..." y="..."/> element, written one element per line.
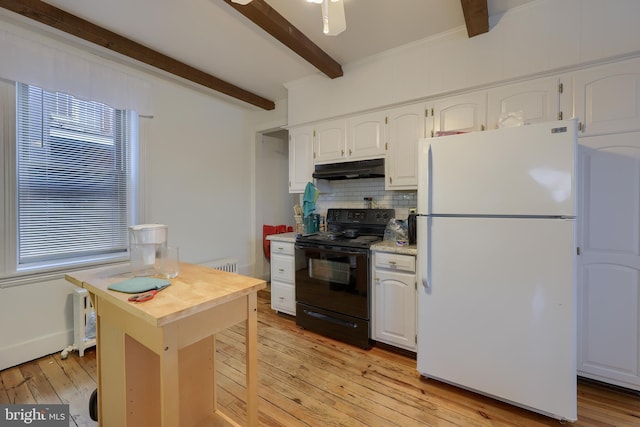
<point x="272" y="201"/>
<point x="198" y="155"/>
<point x="541" y="36"/>
<point x="198" y="174"/>
<point x="37" y="319"/>
<point x="274" y="204"/>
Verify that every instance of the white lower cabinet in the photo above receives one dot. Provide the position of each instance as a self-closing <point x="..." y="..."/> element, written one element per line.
<point x="283" y="271"/>
<point x="394" y="319"/>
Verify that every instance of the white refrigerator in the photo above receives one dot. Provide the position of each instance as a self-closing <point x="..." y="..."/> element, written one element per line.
<point x="497" y="264"/>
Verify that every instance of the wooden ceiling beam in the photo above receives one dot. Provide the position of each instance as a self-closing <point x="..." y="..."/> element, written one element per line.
<point x="59" y="19"/>
<point x="267" y="18"/>
<point x="476" y="16"/>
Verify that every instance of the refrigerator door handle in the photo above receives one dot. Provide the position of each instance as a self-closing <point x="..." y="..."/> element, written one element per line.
<point x="424" y="250"/>
<point x="427" y="277"/>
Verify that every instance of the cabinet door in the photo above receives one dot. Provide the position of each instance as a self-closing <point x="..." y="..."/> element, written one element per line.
<point x="607" y="98"/>
<point x="282" y="268"/>
<point x="609" y="265"/>
<point x="395" y="309"/>
<point x="300" y="158"/>
<point x="330" y="141"/>
<point x="537" y="100"/>
<point x="463" y="113"/>
<point x="406" y="125"/>
<point x="366" y="136"/>
<point x="283" y="298"/>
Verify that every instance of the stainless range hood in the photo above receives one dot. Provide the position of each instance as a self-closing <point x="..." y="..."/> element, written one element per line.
<point x="350" y="170"/>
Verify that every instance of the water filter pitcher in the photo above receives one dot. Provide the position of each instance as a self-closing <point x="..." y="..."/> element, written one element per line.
<point x="147" y="243"/>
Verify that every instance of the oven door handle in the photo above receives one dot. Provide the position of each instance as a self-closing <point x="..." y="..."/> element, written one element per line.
<point x="340" y="249"/>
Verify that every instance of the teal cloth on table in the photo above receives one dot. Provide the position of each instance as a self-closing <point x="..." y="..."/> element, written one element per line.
<point x="309" y="199"/>
<point x="139" y="284"/>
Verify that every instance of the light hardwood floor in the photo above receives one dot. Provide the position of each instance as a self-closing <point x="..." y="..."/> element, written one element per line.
<point x="309" y="380"/>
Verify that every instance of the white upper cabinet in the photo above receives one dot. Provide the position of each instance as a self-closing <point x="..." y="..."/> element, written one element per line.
<point x="462" y="113"/>
<point x="330" y="141"/>
<point x="607" y="98"/>
<point x="300" y="158"/>
<point x="406" y="125"/>
<point x="355" y="138"/>
<point x="366" y="136"/>
<point x="537" y="100"/>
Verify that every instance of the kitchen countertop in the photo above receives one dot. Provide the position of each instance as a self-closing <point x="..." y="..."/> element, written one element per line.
<point x="283" y="237"/>
<point x="390" y="246"/>
<point x="385" y="246"/>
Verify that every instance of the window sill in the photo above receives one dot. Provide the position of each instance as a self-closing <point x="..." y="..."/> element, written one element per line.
<point x="27" y="278"/>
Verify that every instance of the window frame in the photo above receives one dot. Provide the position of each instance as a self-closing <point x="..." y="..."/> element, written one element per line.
<point x="13" y="273"/>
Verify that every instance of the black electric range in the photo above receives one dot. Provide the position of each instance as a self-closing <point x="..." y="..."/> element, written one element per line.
<point x="333" y="281"/>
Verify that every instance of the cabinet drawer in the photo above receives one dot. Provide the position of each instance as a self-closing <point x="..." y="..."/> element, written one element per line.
<point x="283" y="298"/>
<point x="282" y="268"/>
<point x="284" y="248"/>
<point x="395" y="261"/>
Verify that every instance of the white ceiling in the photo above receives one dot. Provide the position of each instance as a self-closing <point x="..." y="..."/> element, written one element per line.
<point x="212" y="36"/>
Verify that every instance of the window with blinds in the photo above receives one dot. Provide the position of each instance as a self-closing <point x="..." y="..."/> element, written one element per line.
<point x="73" y="169"/>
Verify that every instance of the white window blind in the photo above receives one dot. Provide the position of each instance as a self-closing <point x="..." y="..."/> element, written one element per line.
<point x="73" y="169"/>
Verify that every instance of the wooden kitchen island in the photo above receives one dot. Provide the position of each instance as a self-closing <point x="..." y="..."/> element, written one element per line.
<point x="156" y="359"/>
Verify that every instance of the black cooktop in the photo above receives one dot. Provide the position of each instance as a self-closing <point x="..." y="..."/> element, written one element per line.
<point x="357" y="228"/>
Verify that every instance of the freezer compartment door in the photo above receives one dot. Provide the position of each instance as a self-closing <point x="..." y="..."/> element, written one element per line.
<point x="528" y="170"/>
<point x="499" y="315"/>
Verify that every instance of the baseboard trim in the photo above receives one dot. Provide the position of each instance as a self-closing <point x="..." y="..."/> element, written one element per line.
<point x="20" y="353"/>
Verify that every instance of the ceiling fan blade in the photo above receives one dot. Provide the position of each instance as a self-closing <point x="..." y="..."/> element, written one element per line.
<point x="333" y="18"/>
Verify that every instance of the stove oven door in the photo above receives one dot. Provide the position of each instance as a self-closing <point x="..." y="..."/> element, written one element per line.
<point x="332" y="290"/>
<point x="335" y="279"/>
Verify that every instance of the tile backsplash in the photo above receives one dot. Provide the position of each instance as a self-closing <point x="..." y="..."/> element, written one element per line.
<point x="350" y="193"/>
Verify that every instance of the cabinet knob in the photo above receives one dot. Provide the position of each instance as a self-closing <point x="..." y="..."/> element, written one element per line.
<point x="281" y="270"/>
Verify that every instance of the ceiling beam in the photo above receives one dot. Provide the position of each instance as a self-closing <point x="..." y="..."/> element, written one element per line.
<point x="71" y="24"/>
<point x="476" y="16"/>
<point x="267" y="18"/>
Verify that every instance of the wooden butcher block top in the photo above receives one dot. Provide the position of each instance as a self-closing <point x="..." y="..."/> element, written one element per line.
<point x="196" y="289"/>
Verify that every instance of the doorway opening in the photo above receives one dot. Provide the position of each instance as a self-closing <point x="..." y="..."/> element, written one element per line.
<point x="274" y="204"/>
